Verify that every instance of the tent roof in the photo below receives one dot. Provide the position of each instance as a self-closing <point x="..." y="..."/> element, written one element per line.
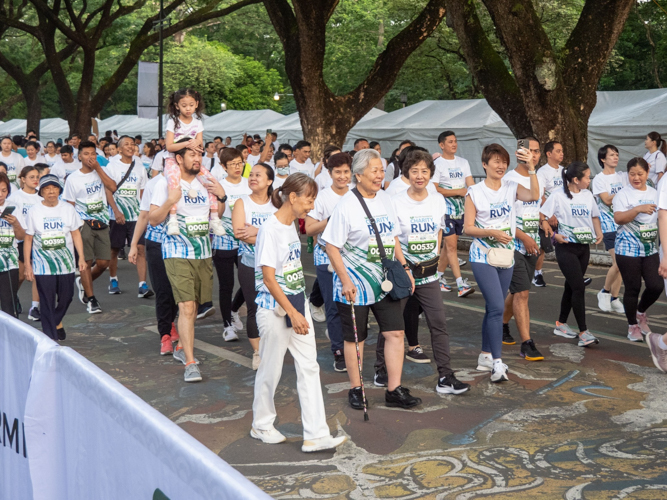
<point x="235" y="123"/>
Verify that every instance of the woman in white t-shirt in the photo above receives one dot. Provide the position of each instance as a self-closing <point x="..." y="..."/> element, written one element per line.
<point x="338" y="169"/>
<point x="605" y="185"/>
<point x="655" y="157"/>
<point x="250" y="212"/>
<point x="148" y="155"/>
<point x="51" y="157"/>
<point x="282" y="168"/>
<point x="636" y="213"/>
<point x="578" y="227"/>
<point x="12" y="160"/>
<point x="11" y="232"/>
<point x="32" y="149"/>
<point x="489" y="218"/>
<point x="421" y="217"/>
<point x="284" y="320"/>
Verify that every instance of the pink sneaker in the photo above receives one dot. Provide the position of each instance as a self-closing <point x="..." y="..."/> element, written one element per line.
<point x="165" y="346"/>
<point x="642" y="319"/>
<point x="658" y="354"/>
<point x="174" y="333"/>
<point x="635" y="333"/>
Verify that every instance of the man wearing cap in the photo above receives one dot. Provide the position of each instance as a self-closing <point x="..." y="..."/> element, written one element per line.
<point x="52" y="233"/>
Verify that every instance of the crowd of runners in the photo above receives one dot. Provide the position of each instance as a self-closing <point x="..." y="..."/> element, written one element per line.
<point x="381" y="232"/>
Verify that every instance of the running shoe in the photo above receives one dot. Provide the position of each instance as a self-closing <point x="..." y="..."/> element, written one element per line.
<point x="82" y="293"/>
<point x="499" y="373"/>
<point x="165" y="346"/>
<point x="484" y="363"/>
<point x="317" y="313"/>
<point x="145" y="292"/>
<point x="113" y="287"/>
<point x="256" y="360"/>
<point x="269" y="436"/>
<point x="658" y="354"/>
<point x="635" y="333"/>
<point x="586" y="339"/>
<point x="400" y="398"/>
<point x="538" y="280"/>
<point x="323" y="443"/>
<point x="381" y="378"/>
<point x="205" y="310"/>
<point x="62" y="335"/>
<point x="444" y="287"/>
<point x="617" y="306"/>
<point x="417" y="355"/>
<point x="33" y="314"/>
<point x="562" y="330"/>
<point x="604" y="301"/>
<point x="216" y="227"/>
<point x="326" y="334"/>
<point x="236" y="321"/>
<point x="507" y="337"/>
<point x="462" y="262"/>
<point x="93" y="306"/>
<point x="355" y="398"/>
<point x="229" y="334"/>
<point x="465" y="289"/>
<point x="121" y="254"/>
<point x="642" y="319"/>
<point x="174" y="333"/>
<point x="172" y="226"/>
<point x="587" y="280"/>
<point x="192" y="373"/>
<point x="529" y="352"/>
<point x="179" y="355"/>
<point x="451" y="385"/>
<point x="339" y="361"/>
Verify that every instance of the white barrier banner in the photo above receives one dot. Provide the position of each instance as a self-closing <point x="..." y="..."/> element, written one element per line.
<point x="90" y="437"/>
<point x="20" y="345"/>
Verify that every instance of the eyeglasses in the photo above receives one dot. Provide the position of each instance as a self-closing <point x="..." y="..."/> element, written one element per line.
<point x="235" y="164"/>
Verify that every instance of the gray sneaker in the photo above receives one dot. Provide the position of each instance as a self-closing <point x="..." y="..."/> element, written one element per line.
<point x="179" y="355"/>
<point x="192" y="373"/>
<point x="658" y="354"/>
<point x="562" y="330"/>
<point x="587" y="338"/>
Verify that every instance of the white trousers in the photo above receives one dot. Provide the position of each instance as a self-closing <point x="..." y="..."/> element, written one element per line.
<point x="276" y="339"/>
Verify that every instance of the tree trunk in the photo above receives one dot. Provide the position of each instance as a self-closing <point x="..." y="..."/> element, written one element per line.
<point x="34" y="109"/>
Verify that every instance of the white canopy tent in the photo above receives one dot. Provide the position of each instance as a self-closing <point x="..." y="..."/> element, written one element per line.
<point x="235" y="123"/>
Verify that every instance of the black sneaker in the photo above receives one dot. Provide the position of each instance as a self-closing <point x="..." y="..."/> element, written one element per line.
<point x="530" y="352"/>
<point x="339" y="361"/>
<point x="507" y="338"/>
<point x="401" y="398"/>
<point x="355" y="397"/>
<point x="205" y="310"/>
<point x="587" y="280"/>
<point x="121" y="254"/>
<point x="538" y="280"/>
<point x="61" y="334"/>
<point x="93" y="306"/>
<point x="417" y="355"/>
<point x="451" y="385"/>
<point x="381" y="379"/>
<point x="33" y="314"/>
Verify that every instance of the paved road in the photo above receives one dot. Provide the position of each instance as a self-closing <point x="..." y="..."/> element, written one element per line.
<point x="584" y="423"/>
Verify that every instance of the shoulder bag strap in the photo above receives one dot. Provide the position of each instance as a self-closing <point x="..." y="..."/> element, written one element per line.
<point x="356" y="192"/>
<point x="127" y="174"/>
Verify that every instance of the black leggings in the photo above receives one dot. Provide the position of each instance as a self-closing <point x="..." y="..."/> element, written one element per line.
<point x="633" y="269"/>
<point x="247" y="281"/>
<point x="9" y="286"/>
<point x="573" y="261"/>
<point x="165" y="306"/>
<point x="224" y="261"/>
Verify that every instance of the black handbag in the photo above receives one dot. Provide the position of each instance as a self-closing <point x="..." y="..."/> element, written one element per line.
<point x="393" y="270"/>
<point x="424" y="269"/>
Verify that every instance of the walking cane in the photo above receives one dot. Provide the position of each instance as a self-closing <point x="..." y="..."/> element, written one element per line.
<point x="361" y="376"/>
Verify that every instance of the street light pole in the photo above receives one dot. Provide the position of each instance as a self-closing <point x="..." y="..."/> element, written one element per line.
<point x="160" y="91"/>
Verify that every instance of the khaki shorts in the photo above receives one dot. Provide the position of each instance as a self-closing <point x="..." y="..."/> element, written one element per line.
<point x="96" y="243"/>
<point x="191" y="279"/>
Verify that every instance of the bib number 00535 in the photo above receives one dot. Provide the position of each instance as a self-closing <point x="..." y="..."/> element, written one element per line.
<point x="293" y="274"/>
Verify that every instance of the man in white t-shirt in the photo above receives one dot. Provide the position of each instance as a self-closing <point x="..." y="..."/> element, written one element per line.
<point x="301" y="162"/>
<point x="211" y="159"/>
<point x="360" y="144"/>
<point x="253" y="157"/>
<point x="74" y="141"/>
<point x="66" y="165"/>
<point x="550" y="178"/>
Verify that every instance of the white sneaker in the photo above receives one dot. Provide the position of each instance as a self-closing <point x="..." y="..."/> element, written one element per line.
<point x="317" y="313"/>
<point x="323" y="443"/>
<point x="617" y="306"/>
<point x="499" y="373"/>
<point x="269" y="436"/>
<point x="229" y="334"/>
<point x="604" y="301"/>
<point x="562" y="330"/>
<point x="484" y="363"/>
<point x="256" y="360"/>
<point x="217" y="227"/>
<point x="236" y="321"/>
<point x="172" y="226"/>
<point x="462" y="262"/>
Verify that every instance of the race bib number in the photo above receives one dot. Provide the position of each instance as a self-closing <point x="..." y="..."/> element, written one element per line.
<point x="94" y="206"/>
<point x="231" y="201"/>
<point x="128" y="191"/>
<point x="373" y="254"/>
<point x="583" y="235"/>
<point x="419" y="244"/>
<point x="196" y="227"/>
<point x="53" y="240"/>
<point x="6" y="238"/>
<point x="12" y="176"/>
<point x="501" y="227"/>
<point x="531" y="223"/>
<point x="648" y="233"/>
<point x="293" y="274"/>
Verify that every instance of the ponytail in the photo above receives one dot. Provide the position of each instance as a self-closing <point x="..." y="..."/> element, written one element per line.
<point x="659" y="142"/>
<point x="298" y="183"/>
<point x="271" y="175"/>
<point x="575" y="170"/>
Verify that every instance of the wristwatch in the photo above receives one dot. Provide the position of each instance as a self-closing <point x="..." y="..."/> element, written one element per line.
<point x="223" y="199"/>
<point x="406" y="267"/>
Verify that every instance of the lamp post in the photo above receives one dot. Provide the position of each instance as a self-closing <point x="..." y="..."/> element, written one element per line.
<point x="276" y="96"/>
<point x="404" y="98"/>
<point x="159" y="25"/>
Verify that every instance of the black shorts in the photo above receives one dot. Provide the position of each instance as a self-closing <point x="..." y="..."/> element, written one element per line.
<point x="121" y="235"/>
<point x="453" y="226"/>
<point x="388" y="314"/>
<point x="609" y="240"/>
<point x="19" y="247"/>
<point x="545" y="243"/>
<point x="522" y="275"/>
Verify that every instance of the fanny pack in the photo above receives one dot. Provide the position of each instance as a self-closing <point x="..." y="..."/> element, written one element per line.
<point x="424" y="269"/>
<point x="502" y="258"/>
<point x="95" y="224"/>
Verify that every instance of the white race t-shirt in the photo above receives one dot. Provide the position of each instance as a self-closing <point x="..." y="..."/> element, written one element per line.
<point x="189" y="130"/>
<point x="610" y="184"/>
<point x="495" y="210"/>
<point x="255" y="215"/>
<point x="51" y="160"/>
<point x="575" y="216"/>
<point x="639" y="237"/>
<point x="128" y="196"/>
<point x="305" y="168"/>
<point x="420" y="223"/>
<point x="62" y="170"/>
<point x="278" y="181"/>
<point x="326" y="201"/>
<point x="153" y="233"/>
<point x="15" y="164"/>
<point x="52" y="247"/>
<point x="279" y="247"/>
<point x="38" y="159"/>
<point x="657" y="163"/>
<point x="550" y="178"/>
<point x="527" y="212"/>
<point x="323" y="179"/>
<point x="9" y="255"/>
<point x="233" y="192"/>
<point x="350" y="230"/>
<point x="452" y="174"/>
<point x="87" y="193"/>
<point x="400" y="184"/>
<point x="253" y="159"/>
<point x="24" y="200"/>
<point x="158" y="160"/>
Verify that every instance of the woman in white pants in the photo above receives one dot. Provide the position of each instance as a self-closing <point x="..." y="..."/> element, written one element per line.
<point x="284" y="321"/>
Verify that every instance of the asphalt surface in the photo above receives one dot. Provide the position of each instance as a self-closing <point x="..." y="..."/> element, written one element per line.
<point x="585" y="423"/>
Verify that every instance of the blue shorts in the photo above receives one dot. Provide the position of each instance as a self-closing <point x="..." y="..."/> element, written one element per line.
<point x="609" y="240"/>
<point x="453" y="226"/>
